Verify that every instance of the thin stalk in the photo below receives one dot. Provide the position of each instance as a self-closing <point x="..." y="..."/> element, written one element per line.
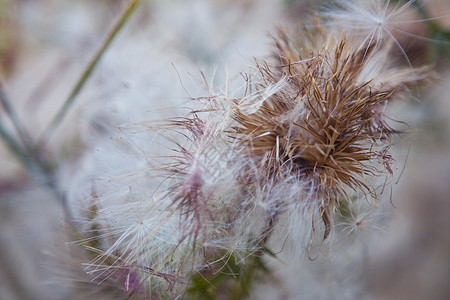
<point x="88" y="72"/>
<point x="23" y="134"/>
<point x="36" y="165"/>
<point x="27" y="153"/>
<point x="15" y="147"/>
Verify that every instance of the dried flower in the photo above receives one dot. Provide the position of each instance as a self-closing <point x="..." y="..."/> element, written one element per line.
<point x="309" y="129"/>
<point x="326" y="125"/>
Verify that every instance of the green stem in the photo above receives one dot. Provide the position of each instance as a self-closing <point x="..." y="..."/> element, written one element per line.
<point x="15" y="147"/>
<point x="88" y="72"/>
<point x="30" y="156"/>
<point x="23" y="134"/>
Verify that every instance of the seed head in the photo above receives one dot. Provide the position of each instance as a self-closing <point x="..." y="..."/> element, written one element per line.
<point x="326" y="124"/>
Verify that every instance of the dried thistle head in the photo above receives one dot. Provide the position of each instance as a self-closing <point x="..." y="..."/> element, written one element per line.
<point x="310" y="130"/>
<point x="325" y="123"/>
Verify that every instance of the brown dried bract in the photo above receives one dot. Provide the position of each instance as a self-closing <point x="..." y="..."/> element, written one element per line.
<point x="326" y="122"/>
